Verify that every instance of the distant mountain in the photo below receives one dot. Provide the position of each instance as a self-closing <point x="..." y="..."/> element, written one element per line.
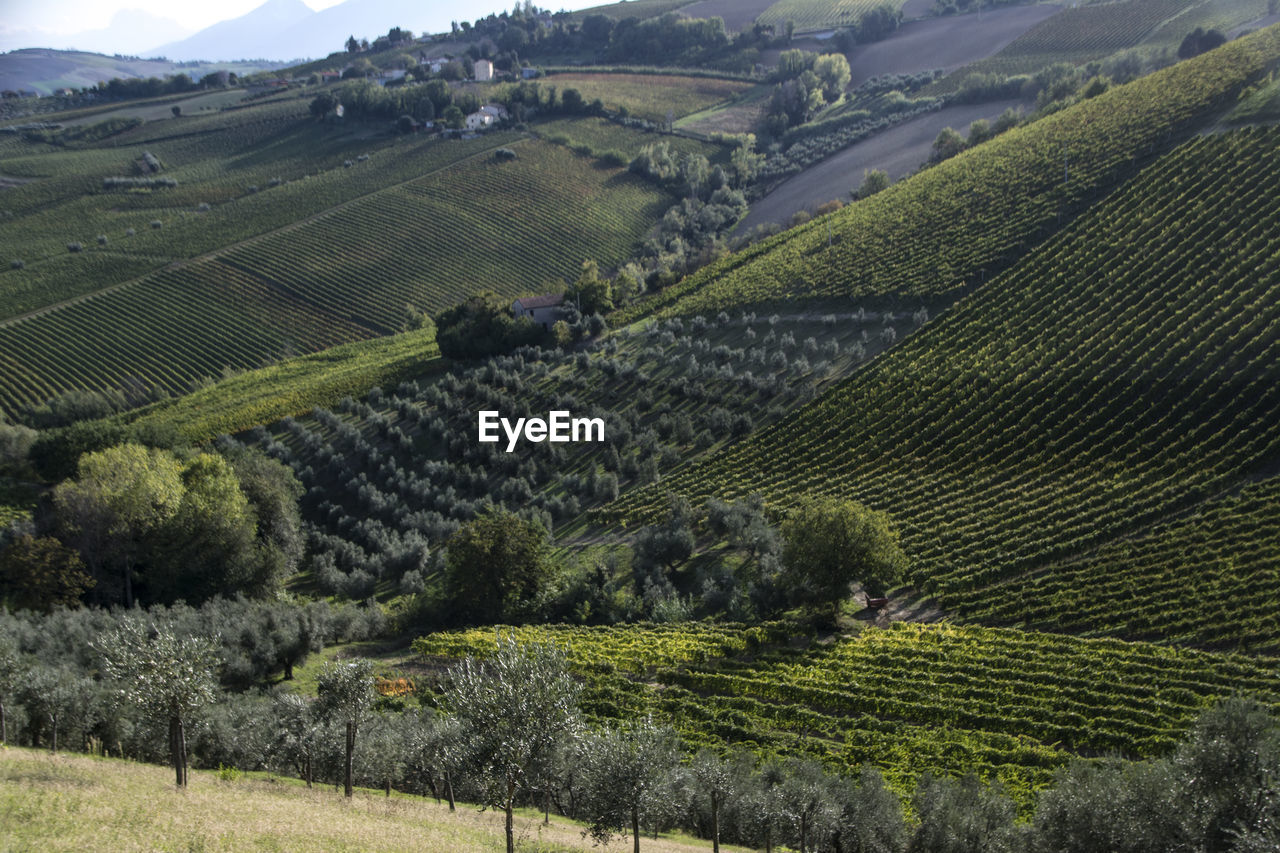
<point x="260" y="34"/>
<point x="44" y="70"/>
<point x="130" y="32"/>
<point x="287" y="29"/>
<point x="326" y="31"/>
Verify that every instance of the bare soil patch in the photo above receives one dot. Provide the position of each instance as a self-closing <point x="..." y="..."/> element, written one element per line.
<point x="899" y="151"/>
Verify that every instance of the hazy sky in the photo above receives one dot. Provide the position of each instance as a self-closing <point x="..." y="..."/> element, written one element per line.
<point x="65" y="17"/>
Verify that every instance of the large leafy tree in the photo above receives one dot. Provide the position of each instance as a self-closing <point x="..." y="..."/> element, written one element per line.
<point x="346" y="695"/>
<point x="482" y="325"/>
<point x="164" y="676"/>
<point x="513" y="711"/>
<point x="497" y="567"/>
<point x="207" y="547"/>
<point x="41" y="574"/>
<point x="122" y="495"/>
<point x="829" y="543"/>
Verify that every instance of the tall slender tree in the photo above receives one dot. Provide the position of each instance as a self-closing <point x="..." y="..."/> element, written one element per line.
<point x="346" y="695"/>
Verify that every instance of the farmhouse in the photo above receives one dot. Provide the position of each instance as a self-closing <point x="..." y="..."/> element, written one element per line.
<point x="484" y="70"/>
<point x="543" y="310"/>
<point x="478" y="120"/>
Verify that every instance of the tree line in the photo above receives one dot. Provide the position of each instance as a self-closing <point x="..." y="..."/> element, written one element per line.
<point x="506" y="731"/>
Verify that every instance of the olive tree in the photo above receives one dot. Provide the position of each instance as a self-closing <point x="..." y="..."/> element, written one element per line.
<point x="346" y="695"/>
<point x="713" y="783"/>
<point x="12" y="671"/>
<point x="626" y="771"/>
<point x="164" y="676"/>
<point x="513" y="710"/>
<point x="297" y="732"/>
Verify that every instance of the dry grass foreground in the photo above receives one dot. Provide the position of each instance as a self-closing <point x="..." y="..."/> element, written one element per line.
<point x="76" y="802"/>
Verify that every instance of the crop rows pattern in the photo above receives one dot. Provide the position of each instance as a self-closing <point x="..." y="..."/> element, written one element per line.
<point x="811" y="15"/>
<point x="1009" y="705"/>
<point x="1211" y="580"/>
<point x="338" y="277"/>
<point x="1075" y="35"/>
<point x="950" y="225"/>
<point x="1124" y="371"/>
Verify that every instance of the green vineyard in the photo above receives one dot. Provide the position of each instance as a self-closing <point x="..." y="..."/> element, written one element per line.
<point x="816" y="14"/>
<point x="1075" y="35"/>
<point x="956" y="223"/>
<point x="234" y="181"/>
<point x="1210" y="580"/>
<point x="341" y="276"/>
<point x="1122" y="372"/>
<point x="1008" y="705"/>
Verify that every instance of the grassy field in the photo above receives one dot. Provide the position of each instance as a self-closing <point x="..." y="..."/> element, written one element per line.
<point x="1261" y="106"/>
<point x="292" y="387"/>
<point x="77" y="803"/>
<point x="651" y="96"/>
<point x="602" y="135"/>
<point x="238" y="174"/>
<point x="343" y="273"/>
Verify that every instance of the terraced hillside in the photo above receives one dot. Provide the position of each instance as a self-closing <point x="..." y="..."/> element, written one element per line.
<point x="1124" y="371"/>
<point x="953" y="225"/>
<point x="1009" y="705"/>
<point x="342" y="275"/>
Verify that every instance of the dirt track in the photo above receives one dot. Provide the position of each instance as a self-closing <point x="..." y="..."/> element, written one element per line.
<point x="898" y="151"/>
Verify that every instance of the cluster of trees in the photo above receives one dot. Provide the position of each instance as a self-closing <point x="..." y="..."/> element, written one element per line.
<point x="141" y="524"/>
<point x="691" y="232"/>
<point x="667" y="39"/>
<point x="1199" y="41"/>
<point x="482" y="326"/>
<point x="806" y="82"/>
<point x="112" y="680"/>
<point x="118" y="88"/>
<point x="391" y="479"/>
<point x="507" y="731"/>
<point x="364" y="99"/>
<point x="949" y="142"/>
